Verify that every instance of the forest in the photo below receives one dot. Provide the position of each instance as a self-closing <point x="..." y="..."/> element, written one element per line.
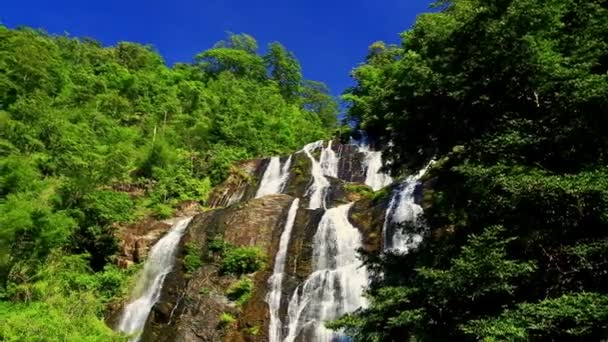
<point x="509" y="98"/>
<point x="80" y="123"/>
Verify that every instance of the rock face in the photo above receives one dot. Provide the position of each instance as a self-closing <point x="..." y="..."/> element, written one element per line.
<point x="240" y="185"/>
<point x="137" y="239"/>
<point x="198" y="301"/>
<point x="191" y="304"/>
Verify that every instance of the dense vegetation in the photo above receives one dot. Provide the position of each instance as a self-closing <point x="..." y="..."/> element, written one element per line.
<point x="511" y="98"/>
<point x="92" y="137"/>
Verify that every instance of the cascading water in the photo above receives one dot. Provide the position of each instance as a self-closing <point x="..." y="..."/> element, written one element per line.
<point x="276" y="280"/>
<point x="320" y="183"/>
<point x="403" y="208"/>
<point x="329" y="161"/>
<point x="372" y="163"/>
<point x="375" y="178"/>
<point x="337" y="283"/>
<point x="147" y="291"/>
<point x="274" y="178"/>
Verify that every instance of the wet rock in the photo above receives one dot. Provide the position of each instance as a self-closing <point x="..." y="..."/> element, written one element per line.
<point x="240" y="185"/>
<point x="300" y="177"/>
<point x="351" y="167"/>
<point x="368" y="215"/>
<point x="195" y="302"/>
<point x="136" y="240"/>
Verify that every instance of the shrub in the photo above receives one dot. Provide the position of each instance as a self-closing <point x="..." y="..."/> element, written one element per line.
<point x="162" y="211"/>
<point x="106" y="207"/>
<point x="240" y="292"/>
<point x="193" y="259"/>
<point x="360" y="189"/>
<point x="218" y="246"/>
<point x="243" y="260"/>
<point x="226" y="319"/>
<point x="254" y="330"/>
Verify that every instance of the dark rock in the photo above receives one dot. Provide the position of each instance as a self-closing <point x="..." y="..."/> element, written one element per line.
<point x="368" y="215"/>
<point x="351" y="167"/>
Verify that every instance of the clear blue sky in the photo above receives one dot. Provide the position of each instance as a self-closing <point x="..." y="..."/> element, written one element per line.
<point x="329" y="37"/>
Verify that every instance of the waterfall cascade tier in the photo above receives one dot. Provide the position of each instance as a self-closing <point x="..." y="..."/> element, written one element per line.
<point x="276" y="280"/>
<point x="336" y="284"/>
<point x="318" y="188"/>
<point x="403" y="208"/>
<point x="317" y="274"/>
<point x="372" y="162"/>
<point x="275" y="177"/>
<point x="149" y="285"/>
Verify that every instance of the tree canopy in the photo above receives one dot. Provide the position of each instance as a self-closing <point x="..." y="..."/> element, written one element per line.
<point x="511" y="99"/>
<point x="80" y="122"/>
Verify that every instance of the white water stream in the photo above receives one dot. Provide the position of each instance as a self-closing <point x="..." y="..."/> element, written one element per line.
<point x="403" y="208"/>
<point x="276" y="280"/>
<point x="275" y="177"/>
<point x="336" y="284"/>
<point x="327" y="166"/>
<point x="150" y="283"/>
<point x="372" y="163"/>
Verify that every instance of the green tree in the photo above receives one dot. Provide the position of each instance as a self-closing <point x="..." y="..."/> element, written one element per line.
<point x="285" y="69"/>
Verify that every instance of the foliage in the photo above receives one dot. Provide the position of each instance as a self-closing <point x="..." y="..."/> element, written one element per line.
<point x="93" y="137"/>
<point x="572" y="315"/>
<point x="226" y="320"/>
<point x="193" y="259"/>
<point x="240" y="292"/>
<point x="360" y="189"/>
<point x="509" y="96"/>
<point x="242" y="260"/>
<point x="219" y="246"/>
<point x="254" y="330"/>
<point x="66" y="304"/>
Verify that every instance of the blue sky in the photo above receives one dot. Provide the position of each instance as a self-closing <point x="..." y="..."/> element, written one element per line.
<point x="328" y="37"/>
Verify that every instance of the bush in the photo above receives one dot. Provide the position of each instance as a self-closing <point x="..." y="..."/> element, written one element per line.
<point x="226" y="319"/>
<point x="218" y="246"/>
<point x="193" y="259"/>
<point x="107" y="207"/>
<point x="162" y="211"/>
<point x="243" y="260"/>
<point x="240" y="292"/>
<point x="360" y="189"/>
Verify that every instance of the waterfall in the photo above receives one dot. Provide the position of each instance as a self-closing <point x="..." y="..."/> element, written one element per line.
<point x="149" y="285"/>
<point x="336" y="284"/>
<point x="276" y="280"/>
<point x="372" y="162"/>
<point x="328" y="165"/>
<point x="329" y="161"/>
<point x="275" y="177"/>
<point x="403" y="208"/>
<point x="375" y="178"/>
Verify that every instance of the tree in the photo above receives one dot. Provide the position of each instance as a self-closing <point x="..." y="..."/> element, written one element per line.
<point x="316" y="99"/>
<point x="285" y="69"/>
<point x="508" y="98"/>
